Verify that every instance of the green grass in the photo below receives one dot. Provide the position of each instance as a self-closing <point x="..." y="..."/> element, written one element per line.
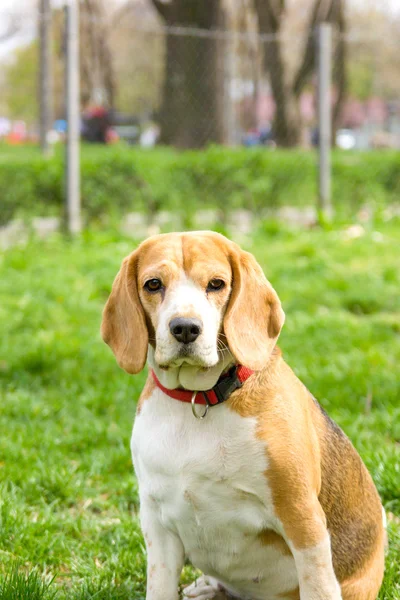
<point x="68" y="496"/>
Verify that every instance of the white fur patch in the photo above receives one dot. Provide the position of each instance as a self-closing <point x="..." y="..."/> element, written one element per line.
<point x="204" y="483"/>
<point x="384" y="518"/>
<point x="317" y="578"/>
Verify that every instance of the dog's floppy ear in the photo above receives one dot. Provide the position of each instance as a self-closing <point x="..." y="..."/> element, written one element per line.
<point x="254" y="316"/>
<point x="123" y="326"/>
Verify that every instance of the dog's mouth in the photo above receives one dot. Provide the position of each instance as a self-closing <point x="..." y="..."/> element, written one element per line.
<point x="189" y="355"/>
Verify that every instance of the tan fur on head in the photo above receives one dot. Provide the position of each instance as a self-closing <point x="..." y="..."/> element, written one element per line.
<point x="123" y="326"/>
<point x="254" y="317"/>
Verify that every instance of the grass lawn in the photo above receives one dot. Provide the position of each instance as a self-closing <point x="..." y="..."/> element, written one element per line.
<point x="68" y="495"/>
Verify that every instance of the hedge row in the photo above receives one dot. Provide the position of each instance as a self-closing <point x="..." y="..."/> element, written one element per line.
<point x="117" y="180"/>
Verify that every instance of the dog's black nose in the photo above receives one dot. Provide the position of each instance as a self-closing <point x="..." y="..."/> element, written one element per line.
<point x="185" y="330"/>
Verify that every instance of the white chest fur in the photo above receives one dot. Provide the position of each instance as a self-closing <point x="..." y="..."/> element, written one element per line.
<point x="205" y="481"/>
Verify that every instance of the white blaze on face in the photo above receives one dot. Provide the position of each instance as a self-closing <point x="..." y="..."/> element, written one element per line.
<point x="187" y="299"/>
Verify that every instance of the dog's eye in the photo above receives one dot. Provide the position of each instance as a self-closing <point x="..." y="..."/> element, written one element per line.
<point x="153" y="285"/>
<point x="215" y="284"/>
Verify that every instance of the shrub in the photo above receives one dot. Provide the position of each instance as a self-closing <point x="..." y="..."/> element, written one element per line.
<point x="119" y="179"/>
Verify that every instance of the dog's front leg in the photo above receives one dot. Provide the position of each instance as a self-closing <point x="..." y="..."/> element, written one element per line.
<point x="309" y="541"/>
<point x="317" y="579"/>
<point x="165" y="557"/>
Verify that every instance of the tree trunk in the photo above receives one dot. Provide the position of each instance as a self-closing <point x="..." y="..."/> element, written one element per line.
<point x="328" y="11"/>
<point x="287" y="122"/>
<point x="191" y="114"/>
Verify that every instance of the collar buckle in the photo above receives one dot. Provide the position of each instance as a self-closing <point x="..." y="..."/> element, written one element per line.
<point x="227" y="385"/>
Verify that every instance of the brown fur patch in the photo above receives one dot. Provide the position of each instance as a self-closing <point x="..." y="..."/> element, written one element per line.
<point x="146" y="393"/>
<point x="267" y="537"/>
<point x="292" y="595"/>
<point x="318" y="481"/>
<point x="349" y="499"/>
<point x="366" y="582"/>
<point x="279" y="401"/>
<point x="254" y="316"/>
<point x="123" y="325"/>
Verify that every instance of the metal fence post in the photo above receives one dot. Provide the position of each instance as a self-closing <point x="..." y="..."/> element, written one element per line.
<point x="324" y="51"/>
<point x="45" y="75"/>
<point x="72" y="168"/>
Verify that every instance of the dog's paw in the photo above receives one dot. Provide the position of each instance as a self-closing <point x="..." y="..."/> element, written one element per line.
<point x="204" y="588"/>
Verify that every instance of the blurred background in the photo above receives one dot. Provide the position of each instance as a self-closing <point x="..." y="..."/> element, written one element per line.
<point x="234" y="81"/>
<point x="188" y="74"/>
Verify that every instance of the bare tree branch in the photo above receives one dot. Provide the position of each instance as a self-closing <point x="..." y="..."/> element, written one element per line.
<point x="162" y="8"/>
<point x="323" y="11"/>
<point x="286" y="125"/>
<point x="339" y="70"/>
<point x="269" y="14"/>
<point x="276" y="8"/>
<point x="97" y="61"/>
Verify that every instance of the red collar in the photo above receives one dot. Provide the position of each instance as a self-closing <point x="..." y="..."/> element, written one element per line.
<point x="226" y="384"/>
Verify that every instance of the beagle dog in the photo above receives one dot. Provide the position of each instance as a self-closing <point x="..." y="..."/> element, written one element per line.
<point x="239" y="468"/>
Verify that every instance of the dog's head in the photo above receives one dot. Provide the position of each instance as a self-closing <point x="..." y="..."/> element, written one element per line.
<point x="190" y="296"/>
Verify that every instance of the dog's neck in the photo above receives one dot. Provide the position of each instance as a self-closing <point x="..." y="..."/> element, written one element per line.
<point x="190" y="377"/>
